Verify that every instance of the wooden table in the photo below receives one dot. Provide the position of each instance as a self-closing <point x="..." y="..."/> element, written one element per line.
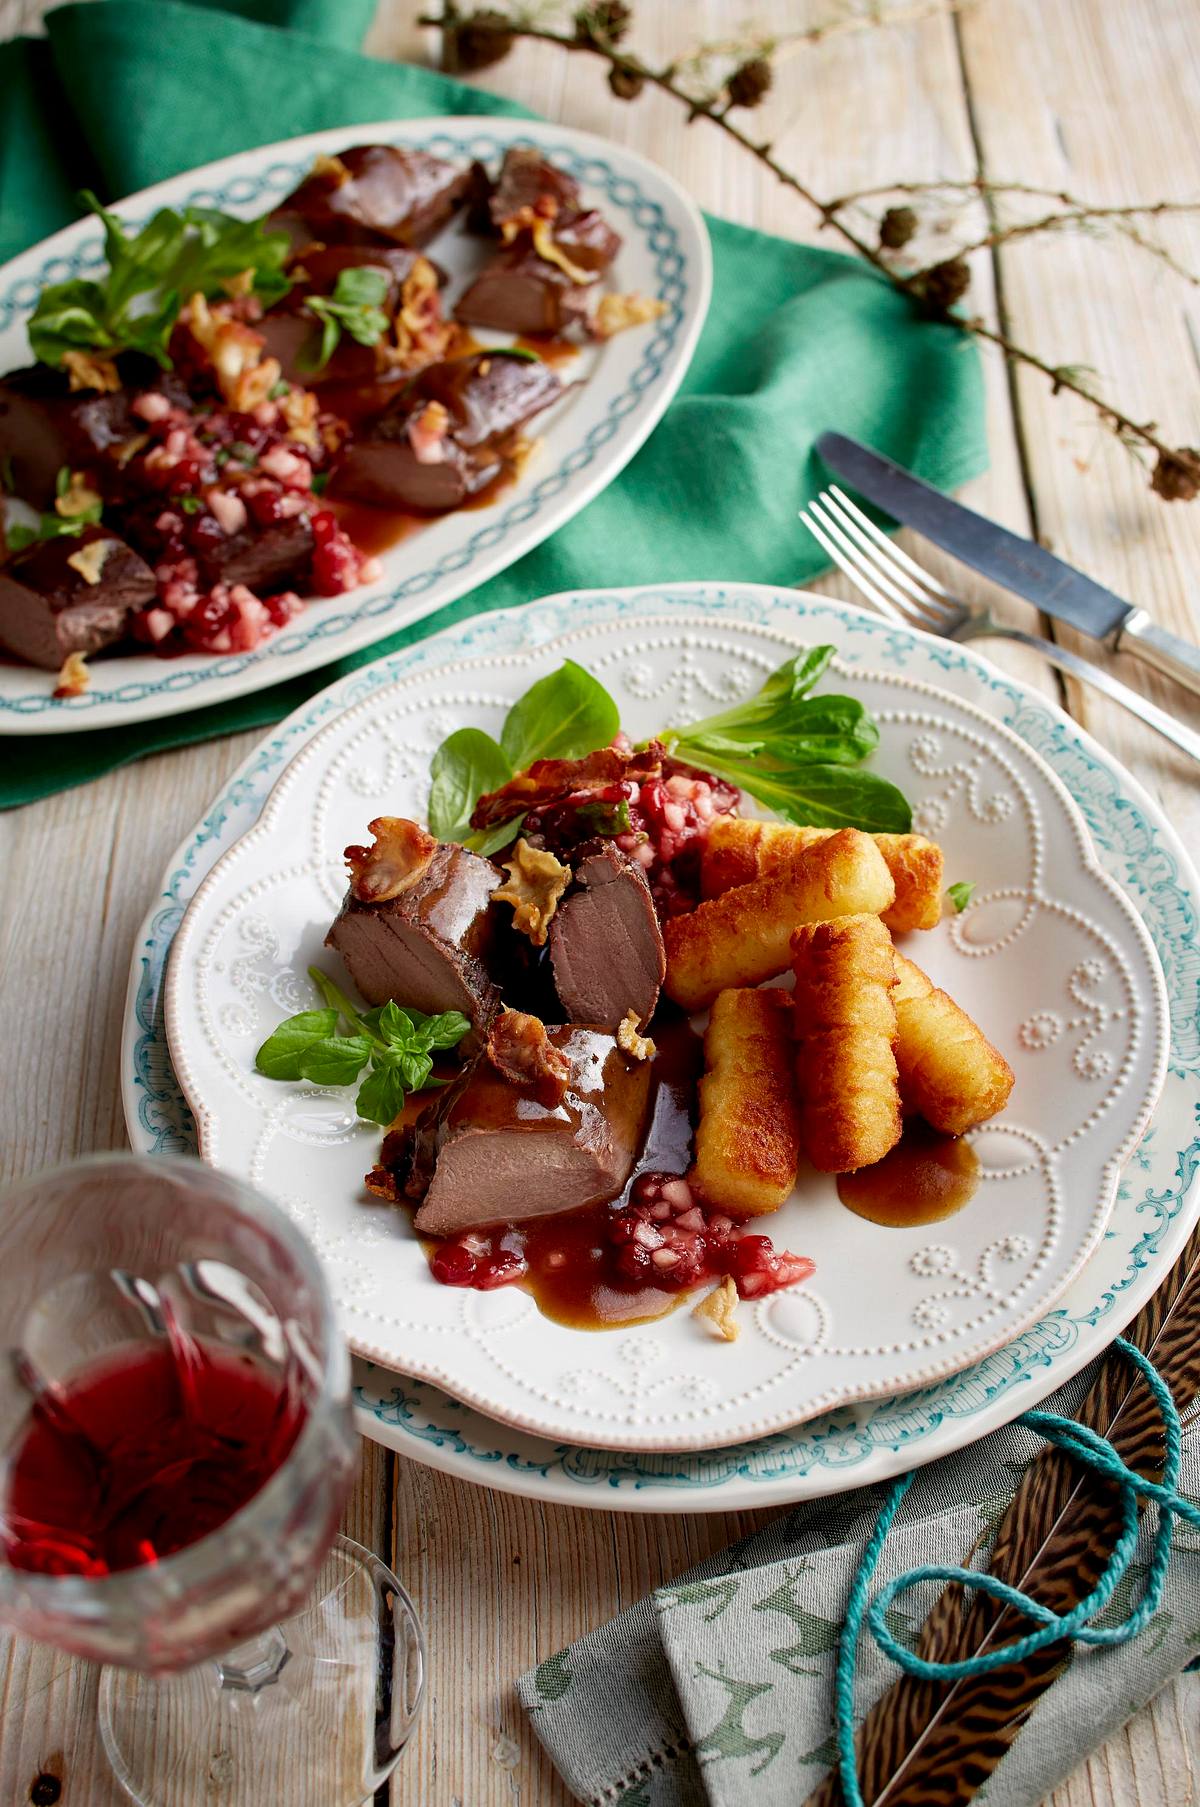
<point x="1096" y="96"/>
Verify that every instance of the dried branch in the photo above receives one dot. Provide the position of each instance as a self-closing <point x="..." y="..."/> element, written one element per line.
<point x="474" y="39"/>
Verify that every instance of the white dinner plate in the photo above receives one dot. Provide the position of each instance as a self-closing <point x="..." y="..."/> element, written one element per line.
<point x="1050" y="957"/>
<point x="619" y="390"/>
<point x="1156" y="1201"/>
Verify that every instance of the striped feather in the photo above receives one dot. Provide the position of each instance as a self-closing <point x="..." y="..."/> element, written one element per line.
<point x="934" y="1744"/>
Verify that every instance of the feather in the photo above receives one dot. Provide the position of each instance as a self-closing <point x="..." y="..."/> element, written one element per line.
<point x="936" y="1743"/>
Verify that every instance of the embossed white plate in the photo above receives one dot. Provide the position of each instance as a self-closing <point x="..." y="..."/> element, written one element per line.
<point x="1051" y="958"/>
<point x="619" y="391"/>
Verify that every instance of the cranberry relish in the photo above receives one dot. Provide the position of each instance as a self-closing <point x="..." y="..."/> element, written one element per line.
<point x="219" y="494"/>
<point x="664" y="1239"/>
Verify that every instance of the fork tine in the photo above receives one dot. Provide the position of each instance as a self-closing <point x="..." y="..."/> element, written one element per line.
<point x="863" y="565"/>
<point x="895" y="553"/>
<point x="880" y="555"/>
<point x="861" y="582"/>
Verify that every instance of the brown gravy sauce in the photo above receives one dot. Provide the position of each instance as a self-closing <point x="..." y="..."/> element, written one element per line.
<point x="925" y="1178"/>
<point x="551" y="350"/>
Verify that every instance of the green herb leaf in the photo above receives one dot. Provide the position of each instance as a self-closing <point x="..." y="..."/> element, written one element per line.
<point x="335" y="1059"/>
<point x="151" y="273"/>
<point x="444" y="1031"/>
<point x="190" y="504"/>
<point x="338" y="1001"/>
<point x="381" y="1095"/>
<point x="515" y="351"/>
<point x="821" y="796"/>
<point x="320" y="482"/>
<point x="283" y="1051"/>
<point x="562" y="716"/>
<point x="960" y="894"/>
<point x="19" y="536"/>
<point x="606" y="818"/>
<point x="354" y="307"/>
<point x="467" y="764"/>
<point x="486" y="841"/>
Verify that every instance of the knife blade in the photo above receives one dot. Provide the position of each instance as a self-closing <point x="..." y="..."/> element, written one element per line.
<point x="1018" y="564"/>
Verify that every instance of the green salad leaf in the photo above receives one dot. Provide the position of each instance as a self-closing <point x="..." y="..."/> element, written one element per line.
<point x="53" y="526"/>
<point x="397" y="1044"/>
<point x="151" y="273"/>
<point x="563" y="716"/>
<point x="356" y="307"/>
<point x="960" y="894"/>
<point x="800" y="755"/>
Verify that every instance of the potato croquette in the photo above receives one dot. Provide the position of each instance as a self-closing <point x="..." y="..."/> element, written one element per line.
<point x="739" y="850"/>
<point x="743" y="936"/>
<point x="845" y="1025"/>
<point x="950" y="1074"/>
<point x="748" y="1136"/>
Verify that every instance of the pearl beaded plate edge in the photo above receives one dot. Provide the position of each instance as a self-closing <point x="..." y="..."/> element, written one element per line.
<point x="619" y="390"/>
<point x="1051" y="957"/>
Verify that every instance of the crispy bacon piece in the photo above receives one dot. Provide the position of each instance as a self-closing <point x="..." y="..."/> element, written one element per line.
<point x="519" y="1048"/>
<point x="548" y="781"/>
<point x="398" y="855"/>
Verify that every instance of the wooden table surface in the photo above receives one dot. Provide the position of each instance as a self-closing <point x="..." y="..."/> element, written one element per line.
<point x="1096" y="96"/>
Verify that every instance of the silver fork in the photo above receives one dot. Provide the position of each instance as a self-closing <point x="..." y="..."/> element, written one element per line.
<point x="897" y="586"/>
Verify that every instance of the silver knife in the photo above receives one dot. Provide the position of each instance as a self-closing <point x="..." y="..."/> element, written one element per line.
<point x="1020" y="565"/>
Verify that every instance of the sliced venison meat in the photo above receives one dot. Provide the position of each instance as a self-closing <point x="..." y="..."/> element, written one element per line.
<point x="543" y="281"/>
<point x="448" y="433"/>
<point x="265" y="559"/>
<point x="428" y="945"/>
<point x="46" y="427"/>
<point x="293" y="335"/>
<point x="605" y="943"/>
<point x="370" y="193"/>
<point x="525" y="177"/>
<point x="487" y="1152"/>
<point x="70" y="595"/>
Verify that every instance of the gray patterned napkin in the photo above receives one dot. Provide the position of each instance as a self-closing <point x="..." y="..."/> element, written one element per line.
<point x="718" y="1690"/>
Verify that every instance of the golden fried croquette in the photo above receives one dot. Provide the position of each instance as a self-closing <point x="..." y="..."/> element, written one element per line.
<point x="739" y="850"/>
<point x="949" y="1071"/>
<point x="743" y="936"/>
<point x="845" y="1025"/>
<point x="748" y="1136"/>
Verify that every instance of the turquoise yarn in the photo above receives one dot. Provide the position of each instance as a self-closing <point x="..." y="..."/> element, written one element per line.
<point x="1094" y="1452"/>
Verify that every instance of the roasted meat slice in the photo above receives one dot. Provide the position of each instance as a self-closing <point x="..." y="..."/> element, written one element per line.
<point x="487" y="1152"/>
<point x="70" y="595"/>
<point x="428" y="943"/>
<point x="370" y="193"/>
<point x="46" y="427"/>
<point x="525" y="177"/>
<point x="544" y="280"/>
<point x="605" y="943"/>
<point x="416" y="331"/>
<point x="447" y="434"/>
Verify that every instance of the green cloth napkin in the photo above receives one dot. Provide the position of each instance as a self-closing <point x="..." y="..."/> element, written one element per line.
<point x="796" y="340"/>
<point x="718" y="1690"/>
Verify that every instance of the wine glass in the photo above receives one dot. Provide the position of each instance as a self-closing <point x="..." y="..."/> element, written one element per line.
<point x="178" y="1445"/>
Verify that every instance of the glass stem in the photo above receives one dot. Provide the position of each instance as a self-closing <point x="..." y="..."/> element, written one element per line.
<point x="256" y="1663"/>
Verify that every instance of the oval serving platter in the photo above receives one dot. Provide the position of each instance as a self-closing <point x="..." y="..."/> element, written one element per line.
<point x="1050" y="957"/>
<point x="621" y="388"/>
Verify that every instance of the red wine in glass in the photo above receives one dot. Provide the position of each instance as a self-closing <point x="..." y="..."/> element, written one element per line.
<point x="142" y="1453"/>
<point x="176" y="1447"/>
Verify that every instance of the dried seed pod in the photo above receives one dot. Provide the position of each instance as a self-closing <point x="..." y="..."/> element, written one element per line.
<point x="1176" y="476"/>
<point x="945" y="284"/>
<point x="897" y="226"/>
<point x="606" y="22"/>
<point x="476" y="41"/>
<point x="750" y="82"/>
<point x="626" y="81"/>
